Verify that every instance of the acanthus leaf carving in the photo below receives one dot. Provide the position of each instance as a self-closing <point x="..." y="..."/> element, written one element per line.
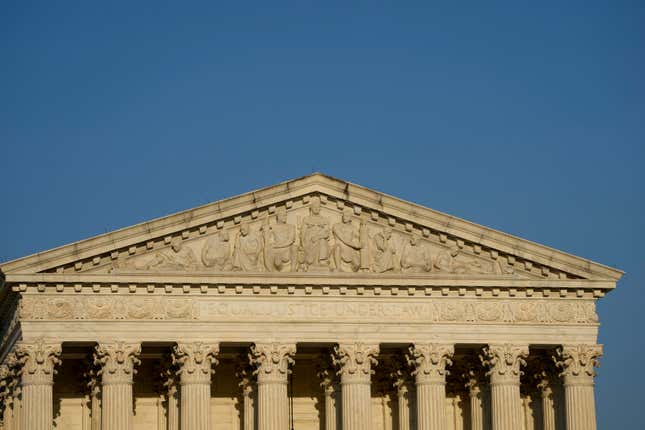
<point x="195" y="361"/>
<point x="430" y="361"/>
<point x="578" y="362"/>
<point x="117" y="361"/>
<point x="504" y="362"/>
<point x="272" y="361"/>
<point x="38" y="360"/>
<point x="355" y="361"/>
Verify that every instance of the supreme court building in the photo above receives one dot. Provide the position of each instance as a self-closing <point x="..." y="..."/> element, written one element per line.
<point x="314" y="304"/>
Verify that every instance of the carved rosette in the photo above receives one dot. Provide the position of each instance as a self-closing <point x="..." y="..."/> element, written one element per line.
<point x="355" y="361"/>
<point x="38" y="360"/>
<point x="117" y="361"/>
<point x="504" y="362"/>
<point x="578" y="362"/>
<point x="195" y="361"/>
<point x="430" y="361"/>
<point x="272" y="361"/>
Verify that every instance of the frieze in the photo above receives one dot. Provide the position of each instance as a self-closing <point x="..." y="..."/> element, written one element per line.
<point x="108" y="308"/>
<point x="430" y="310"/>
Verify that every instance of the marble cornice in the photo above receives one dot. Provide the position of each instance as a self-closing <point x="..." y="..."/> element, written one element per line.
<point x="430" y="285"/>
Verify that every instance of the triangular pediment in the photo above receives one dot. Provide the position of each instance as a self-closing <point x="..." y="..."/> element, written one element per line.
<point x="312" y="225"/>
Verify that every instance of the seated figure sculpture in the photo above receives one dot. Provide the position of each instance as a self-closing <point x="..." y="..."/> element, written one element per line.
<point x="415" y="257"/>
<point x="216" y="253"/>
<point x="247" y="252"/>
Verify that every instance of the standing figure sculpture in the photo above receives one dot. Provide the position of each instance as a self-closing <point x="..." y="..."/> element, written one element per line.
<point x="415" y="257"/>
<point x="384" y="252"/>
<point x="314" y="239"/>
<point x="247" y="253"/>
<point x="216" y="252"/>
<point x="280" y="249"/>
<point x="347" y="249"/>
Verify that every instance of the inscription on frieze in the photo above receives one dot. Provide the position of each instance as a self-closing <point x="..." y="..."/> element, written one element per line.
<point x="429" y="310"/>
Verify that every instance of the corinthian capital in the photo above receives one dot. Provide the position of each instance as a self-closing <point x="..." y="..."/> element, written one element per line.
<point x="578" y="362"/>
<point x="504" y="362"/>
<point x="195" y="361"/>
<point x="38" y="359"/>
<point x="117" y="361"/>
<point x="272" y="361"/>
<point x="429" y="362"/>
<point x="355" y="361"/>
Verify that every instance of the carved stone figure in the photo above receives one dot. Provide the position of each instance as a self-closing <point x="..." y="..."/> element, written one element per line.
<point x="415" y="257"/>
<point x="448" y="262"/>
<point x="384" y="252"/>
<point x="347" y="257"/>
<point x="179" y="257"/>
<point x="247" y="254"/>
<point x="216" y="252"/>
<point x="280" y="249"/>
<point x="445" y="260"/>
<point x="314" y="239"/>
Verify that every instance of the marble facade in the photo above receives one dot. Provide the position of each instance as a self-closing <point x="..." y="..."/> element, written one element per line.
<point x="312" y="304"/>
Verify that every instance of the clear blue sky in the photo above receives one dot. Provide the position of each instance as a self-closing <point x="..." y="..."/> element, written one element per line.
<point x="528" y="117"/>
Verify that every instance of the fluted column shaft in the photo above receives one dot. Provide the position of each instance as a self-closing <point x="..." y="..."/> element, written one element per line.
<point x="331" y="417"/>
<point x="195" y="361"/>
<point x="476" y="406"/>
<point x="273" y="360"/>
<point x="578" y="363"/>
<point x="355" y="361"/>
<point x="505" y="361"/>
<point x="429" y="362"/>
<point x="95" y="411"/>
<point x="403" y="395"/>
<point x="117" y="361"/>
<point x="38" y="360"/>
<point x="249" y="408"/>
<point x="173" y="408"/>
<point x="548" y="405"/>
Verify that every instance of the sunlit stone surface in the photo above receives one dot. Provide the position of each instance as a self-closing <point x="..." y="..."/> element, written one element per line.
<point x="313" y="304"/>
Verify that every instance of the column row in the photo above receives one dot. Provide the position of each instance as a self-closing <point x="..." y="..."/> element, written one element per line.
<point x="27" y="375"/>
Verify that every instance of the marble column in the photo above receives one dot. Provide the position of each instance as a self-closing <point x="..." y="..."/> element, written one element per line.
<point x="273" y="361"/>
<point x="9" y="379"/>
<point x="195" y="362"/>
<point x="244" y="373"/>
<point x="475" y="386"/>
<point x="577" y="363"/>
<point x="171" y="386"/>
<point x="545" y="385"/>
<point x="355" y="362"/>
<point x="38" y="360"/>
<point x="117" y="361"/>
<point x="330" y="384"/>
<point x="429" y="362"/>
<point x="504" y="362"/>
<point x="93" y="385"/>
<point x="404" y="391"/>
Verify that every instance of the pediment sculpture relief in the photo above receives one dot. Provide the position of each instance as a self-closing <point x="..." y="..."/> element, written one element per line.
<point x="311" y="240"/>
